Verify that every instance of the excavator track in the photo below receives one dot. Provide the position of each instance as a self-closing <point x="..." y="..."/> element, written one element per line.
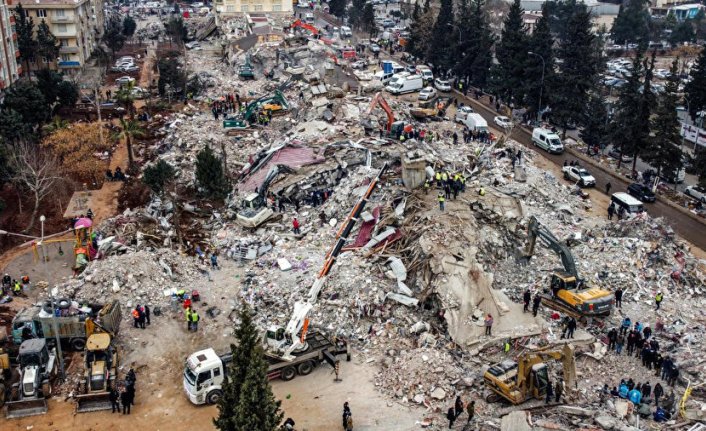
<point x="554" y="304"/>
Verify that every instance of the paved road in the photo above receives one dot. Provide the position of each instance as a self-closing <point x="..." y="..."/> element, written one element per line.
<point x="685" y="226"/>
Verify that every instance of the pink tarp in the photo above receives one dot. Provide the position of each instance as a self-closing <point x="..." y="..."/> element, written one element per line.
<point x="292" y="156"/>
<point x="365" y="232"/>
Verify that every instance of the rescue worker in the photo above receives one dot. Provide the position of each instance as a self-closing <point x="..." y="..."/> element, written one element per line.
<point x="526" y="297"/>
<point x="114" y="399"/>
<point x="535" y="304"/>
<point x="481" y="191"/>
<point x="471" y="410"/>
<point x="25" y="283"/>
<point x="126" y="399"/>
<point x="194" y="320"/>
<point x="136" y="316"/>
<point x="426" y="186"/>
<point x="437" y="177"/>
<point x="444" y="178"/>
<point x="658" y="299"/>
<point x="441" y="199"/>
<point x="187" y="313"/>
<point x="17" y="288"/>
<point x="295" y="226"/>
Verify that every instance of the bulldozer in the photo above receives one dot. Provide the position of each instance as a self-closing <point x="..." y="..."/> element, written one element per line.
<point x="569" y="294"/>
<point x="101" y="368"/>
<point x="528" y="378"/>
<point x="38" y="368"/>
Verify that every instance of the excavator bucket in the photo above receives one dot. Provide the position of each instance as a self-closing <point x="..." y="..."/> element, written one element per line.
<point x="93" y="402"/>
<point x="27" y="407"/>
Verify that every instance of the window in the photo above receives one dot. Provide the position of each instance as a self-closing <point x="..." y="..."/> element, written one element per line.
<point x="64" y="42"/>
<point x="203" y="377"/>
<point x="244" y="8"/>
<point x="61" y="28"/>
<point x="216" y="372"/>
<point x="59" y="13"/>
<point x="276" y="7"/>
<point x="65" y="57"/>
<point x="41" y="13"/>
<point x="46" y="60"/>
<point x="230" y="8"/>
<point x="258" y="7"/>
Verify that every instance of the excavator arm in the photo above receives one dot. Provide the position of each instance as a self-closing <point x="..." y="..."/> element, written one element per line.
<point x="565" y="355"/>
<point x="379" y="100"/>
<point x="271" y="175"/>
<point x="537" y="230"/>
<point x="299" y="23"/>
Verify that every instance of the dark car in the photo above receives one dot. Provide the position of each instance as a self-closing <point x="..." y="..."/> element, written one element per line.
<point x="642" y="192"/>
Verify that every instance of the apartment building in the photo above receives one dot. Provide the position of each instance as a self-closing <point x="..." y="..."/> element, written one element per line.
<point x="77" y="24"/>
<point x="9" y="69"/>
<point x="241" y="7"/>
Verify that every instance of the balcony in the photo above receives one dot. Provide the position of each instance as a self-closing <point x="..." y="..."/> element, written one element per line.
<point x="69" y="64"/>
<point x="68" y="50"/>
<point x="66" y="19"/>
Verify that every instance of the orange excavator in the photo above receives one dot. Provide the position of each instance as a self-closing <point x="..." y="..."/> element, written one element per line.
<point x="301" y="24"/>
<point x="393" y="128"/>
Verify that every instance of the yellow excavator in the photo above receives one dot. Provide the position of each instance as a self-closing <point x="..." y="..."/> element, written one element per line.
<point x="100" y="372"/>
<point x="568" y="293"/>
<point x="517" y="382"/>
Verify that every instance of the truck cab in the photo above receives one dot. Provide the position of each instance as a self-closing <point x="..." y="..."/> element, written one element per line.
<point x="204" y="374"/>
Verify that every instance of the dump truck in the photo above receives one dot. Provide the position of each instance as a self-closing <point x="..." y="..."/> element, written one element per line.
<point x="37" y="321"/>
<point x="100" y="372"/>
<point x="517" y="382"/>
<point x="205" y="371"/>
<point x="38" y="368"/>
<point x="569" y="294"/>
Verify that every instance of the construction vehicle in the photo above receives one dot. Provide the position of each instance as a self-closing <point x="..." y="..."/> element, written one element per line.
<point x="393" y="128"/>
<point x="245" y="71"/>
<point x="275" y="104"/>
<point x="38" y="368"/>
<point x="517" y="382"/>
<point x="101" y="370"/>
<point x="254" y="210"/>
<point x="434" y="108"/>
<point x="301" y="24"/>
<point x="568" y="293"/>
<point x="8" y="376"/>
<point x="38" y="322"/>
<point x="205" y="371"/>
<point x="285" y="341"/>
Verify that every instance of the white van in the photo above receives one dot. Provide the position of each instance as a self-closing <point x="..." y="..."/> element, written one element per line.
<point x="474" y="121"/>
<point x="405" y="84"/>
<point x="345" y="32"/>
<point x="632" y="206"/>
<point x="309" y="18"/>
<point x="386" y="78"/>
<point x="547" y="140"/>
<point x="426" y="73"/>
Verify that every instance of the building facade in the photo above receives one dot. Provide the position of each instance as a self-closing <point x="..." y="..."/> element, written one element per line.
<point x="240" y="7"/>
<point x="9" y="69"/>
<point x="77" y="24"/>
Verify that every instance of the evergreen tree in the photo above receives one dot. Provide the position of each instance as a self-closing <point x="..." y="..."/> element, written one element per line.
<point x="129" y="26"/>
<point x="474" y="52"/>
<point x="25" y="98"/>
<point x="13" y="128"/>
<point x="113" y="36"/>
<point x="337" y="8"/>
<point x="47" y="43"/>
<point x="67" y="94"/>
<point x="541" y="43"/>
<point x="48" y="82"/>
<point x="355" y="13"/>
<point x="439" y="52"/>
<point x="632" y="23"/>
<point x="695" y="90"/>
<point x="368" y="20"/>
<point x="24" y="28"/>
<point x="246" y="401"/>
<point x="595" y="122"/>
<point x="210" y="176"/>
<point x="664" y="151"/>
<point x="578" y="69"/>
<point x="420" y="34"/>
<point x="511" y="54"/>
<point x="416" y="12"/>
<point x="157" y="176"/>
<point x="683" y="32"/>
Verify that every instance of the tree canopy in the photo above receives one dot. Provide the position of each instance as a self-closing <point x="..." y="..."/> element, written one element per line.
<point x="210" y="176"/>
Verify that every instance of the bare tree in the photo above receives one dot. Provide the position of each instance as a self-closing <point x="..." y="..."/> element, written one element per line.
<point x="34" y="171"/>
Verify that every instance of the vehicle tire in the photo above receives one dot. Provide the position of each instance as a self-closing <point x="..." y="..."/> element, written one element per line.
<point x="305" y="368"/>
<point x="492" y="398"/>
<point x="46" y="389"/>
<point x="213" y="396"/>
<point x="2" y="394"/>
<point x="566" y="176"/>
<point x="78" y="344"/>
<point x="687" y="192"/>
<point x="288" y="374"/>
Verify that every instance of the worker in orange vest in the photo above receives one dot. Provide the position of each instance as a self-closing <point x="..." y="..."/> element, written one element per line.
<point x="136" y="316"/>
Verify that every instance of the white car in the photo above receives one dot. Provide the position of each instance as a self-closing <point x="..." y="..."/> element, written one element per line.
<point x="579" y="175"/>
<point x="502" y="121"/>
<point x="462" y="112"/>
<point x="360" y="64"/>
<point x="124" y="80"/>
<point x="442" y="85"/>
<point x="129" y="69"/>
<point x="427" y="94"/>
<point x="696" y="192"/>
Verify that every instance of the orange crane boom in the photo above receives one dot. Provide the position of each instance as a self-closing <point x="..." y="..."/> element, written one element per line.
<point x="380" y="101"/>
<point x="302" y="24"/>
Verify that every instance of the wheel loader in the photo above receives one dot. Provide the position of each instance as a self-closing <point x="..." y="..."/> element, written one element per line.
<point x="101" y="366"/>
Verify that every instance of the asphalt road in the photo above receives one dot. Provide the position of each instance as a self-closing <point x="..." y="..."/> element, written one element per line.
<point x="688" y="228"/>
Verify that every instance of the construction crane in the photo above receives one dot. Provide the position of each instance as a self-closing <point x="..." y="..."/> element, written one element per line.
<point x="528" y="378"/>
<point x="292" y="338"/>
<point x="393" y="128"/>
<point x="254" y="210"/>
<point x="568" y="294"/>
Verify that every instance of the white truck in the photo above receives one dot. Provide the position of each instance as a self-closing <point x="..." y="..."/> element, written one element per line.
<point x="472" y="120"/>
<point x="547" y="140"/>
<point x="405" y="84"/>
<point x="579" y="175"/>
<point x="205" y="371"/>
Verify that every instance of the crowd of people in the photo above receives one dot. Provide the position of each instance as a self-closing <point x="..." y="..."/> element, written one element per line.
<point x="458" y="409"/>
<point x="449" y="185"/>
<point x="15" y="287"/>
<point x="123" y="393"/>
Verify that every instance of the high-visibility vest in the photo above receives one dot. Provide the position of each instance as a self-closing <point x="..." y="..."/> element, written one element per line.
<point x="481" y="192"/>
<point x="442" y="198"/>
<point x="444" y="177"/>
<point x="438" y="176"/>
<point x="188" y="315"/>
<point x="194" y="317"/>
<point x="658" y="297"/>
<point x="135" y="314"/>
<point x="17" y="287"/>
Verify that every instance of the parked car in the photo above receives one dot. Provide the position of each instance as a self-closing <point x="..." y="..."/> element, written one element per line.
<point x="124" y="80"/>
<point x="360" y="64"/>
<point x="641" y="192"/>
<point x="442" y="85"/>
<point x="502" y="122"/>
<point x="427" y="93"/>
<point x="388" y="23"/>
<point x="616" y="155"/>
<point x="374" y="47"/>
<point x="579" y="175"/>
<point x="129" y="69"/>
<point x="139" y="93"/>
<point x="193" y="45"/>
<point x="411" y="68"/>
<point x="696" y="192"/>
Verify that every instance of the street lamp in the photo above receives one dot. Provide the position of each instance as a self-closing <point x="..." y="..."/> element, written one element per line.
<point x="41" y="241"/>
<point x="541" y="86"/>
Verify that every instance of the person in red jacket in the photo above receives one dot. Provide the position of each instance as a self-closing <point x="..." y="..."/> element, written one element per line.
<point x="295" y="225"/>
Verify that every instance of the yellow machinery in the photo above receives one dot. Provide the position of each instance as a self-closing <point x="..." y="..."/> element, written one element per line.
<point x="528" y="378"/>
<point x="567" y="292"/>
<point x="101" y="366"/>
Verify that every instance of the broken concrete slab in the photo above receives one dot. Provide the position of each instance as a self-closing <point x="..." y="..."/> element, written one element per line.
<point x="576" y="411"/>
<point x="516" y="421"/>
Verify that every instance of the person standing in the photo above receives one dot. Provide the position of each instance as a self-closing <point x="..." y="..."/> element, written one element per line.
<point x="488" y="324"/>
<point x="141" y="319"/>
<point x="627" y="323"/>
<point x="471" y="410"/>
<point x="612" y="337"/>
<point x="295" y="225"/>
<point x="658" y="299"/>
<point x="441" y="200"/>
<point x="558" y="390"/>
<point x="619" y="342"/>
<point x="194" y="320"/>
<point x="214" y="261"/>
<point x="115" y="397"/>
<point x="611" y="211"/>
<point x="608" y="186"/>
<point x="658" y="391"/>
<point x="136" y="316"/>
<point x="535" y="304"/>
<point x="572" y="327"/>
<point x="451" y="416"/>
<point x="526" y="298"/>
<point x="346" y="415"/>
<point x="619" y="297"/>
<point x="550" y="392"/>
<point x="187" y="314"/>
<point x="458" y="406"/>
<point x="126" y="401"/>
<point x="147" y="313"/>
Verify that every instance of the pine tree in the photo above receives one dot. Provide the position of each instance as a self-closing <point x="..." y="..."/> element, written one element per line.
<point x="337" y="8"/>
<point x="632" y="23"/>
<point x="474" y="52"/>
<point x="355" y="13"/>
<point x="157" y="176"/>
<point x="695" y="90"/>
<point x="129" y="26"/>
<point x="368" y="20"/>
<point x="511" y="54"/>
<point x="664" y="151"/>
<point x="595" y="122"/>
<point x="439" y="52"/>
<point x="47" y="43"/>
<point x="113" y="36"/>
<point x="210" y="176"/>
<point x="247" y="401"/>
<point x="541" y="43"/>
<point x="420" y="34"/>
<point x="683" y="32"/>
<point x="578" y="69"/>
<point x="24" y="27"/>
